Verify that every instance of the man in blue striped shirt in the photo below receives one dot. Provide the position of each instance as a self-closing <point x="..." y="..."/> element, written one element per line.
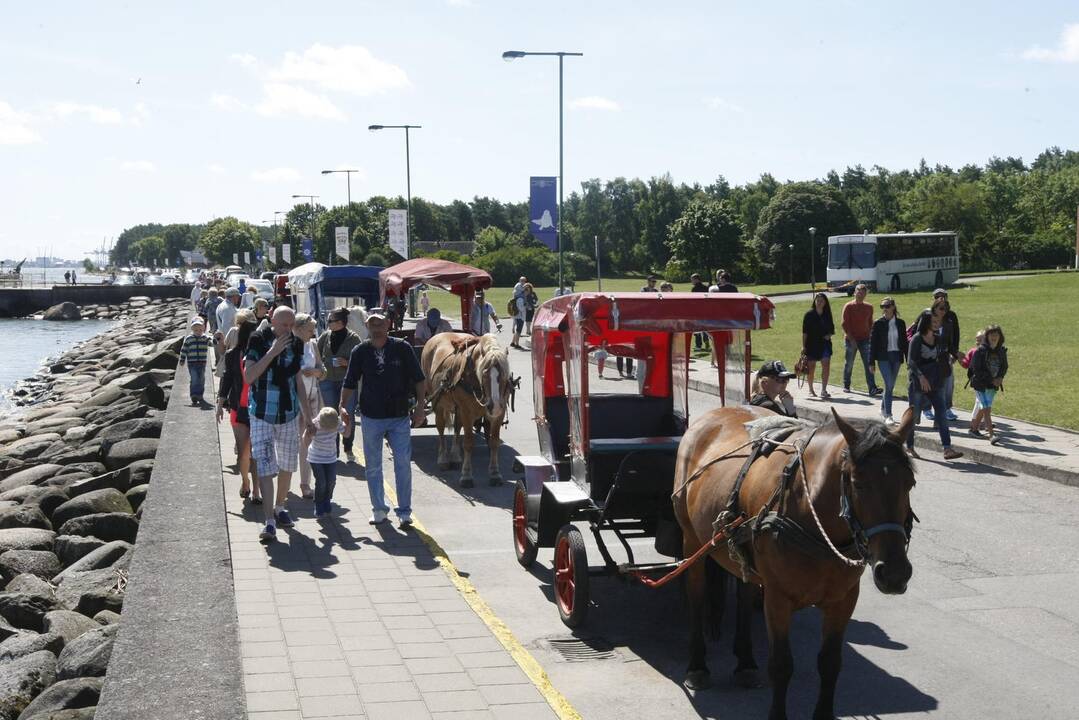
<point x="194" y="352"/>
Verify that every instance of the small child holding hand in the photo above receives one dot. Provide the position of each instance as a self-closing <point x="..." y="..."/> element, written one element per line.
<point x="322" y="455"/>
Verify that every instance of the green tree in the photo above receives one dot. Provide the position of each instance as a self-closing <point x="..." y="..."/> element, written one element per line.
<point x="149" y="251"/>
<point x="88" y="266"/>
<point x="707" y="236"/>
<point x="786" y="220"/>
<point x="940" y="201"/>
<point x="225" y="236"/>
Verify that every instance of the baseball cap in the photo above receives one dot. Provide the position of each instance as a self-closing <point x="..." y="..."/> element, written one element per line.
<point x="940" y="291"/>
<point x="197" y="321"/>
<point x="376" y="312"/>
<point x="232" y="292"/>
<point x="774" y="368"/>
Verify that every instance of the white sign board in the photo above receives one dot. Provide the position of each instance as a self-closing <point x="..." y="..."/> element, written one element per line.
<point x="235" y="258"/>
<point x="340" y="235"/>
<point x="247" y="257"/>
<point x="273" y="255"/>
<point x="398" y="226"/>
<point x="286" y="253"/>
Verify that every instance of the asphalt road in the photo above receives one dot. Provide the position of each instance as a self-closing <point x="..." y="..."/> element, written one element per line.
<point x="988" y="628"/>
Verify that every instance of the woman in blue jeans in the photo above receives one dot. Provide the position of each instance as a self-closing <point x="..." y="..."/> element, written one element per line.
<point x="928" y="364"/>
<point x="888" y="349"/>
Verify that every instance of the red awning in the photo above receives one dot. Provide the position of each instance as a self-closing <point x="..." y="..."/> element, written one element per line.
<point x="459" y="279"/>
<point x="660" y="312"/>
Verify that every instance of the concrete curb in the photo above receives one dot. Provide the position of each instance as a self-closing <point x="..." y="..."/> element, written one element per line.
<point x="930" y="442"/>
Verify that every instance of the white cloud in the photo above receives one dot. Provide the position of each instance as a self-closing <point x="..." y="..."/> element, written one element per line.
<point x="460" y="3"/>
<point x="276" y="175"/>
<point x="717" y="103"/>
<point x="348" y="68"/>
<point x="227" y="102"/>
<point x="93" y="113"/>
<point x="1067" y="50"/>
<point x="244" y="59"/>
<point x="216" y="169"/>
<point x="282" y="99"/>
<point x="15" y="127"/>
<point x="141" y="166"/>
<point x="595" y="102"/>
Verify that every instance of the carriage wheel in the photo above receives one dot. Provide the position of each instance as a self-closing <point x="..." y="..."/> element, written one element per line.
<point x="523" y="544"/>
<point x="571" y="576"/>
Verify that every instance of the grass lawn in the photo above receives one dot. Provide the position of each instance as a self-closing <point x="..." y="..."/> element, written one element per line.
<point x="1037" y="314"/>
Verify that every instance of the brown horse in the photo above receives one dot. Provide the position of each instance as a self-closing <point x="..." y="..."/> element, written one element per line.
<point x="469" y="382"/>
<point x="859" y="484"/>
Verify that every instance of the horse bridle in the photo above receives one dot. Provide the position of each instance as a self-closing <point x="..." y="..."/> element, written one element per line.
<point x="860" y="534"/>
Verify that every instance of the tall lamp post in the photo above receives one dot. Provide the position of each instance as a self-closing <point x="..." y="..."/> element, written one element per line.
<point x="275" y="214"/>
<point x="408" y="175"/>
<point x="311" y="199"/>
<point x="510" y="55"/>
<point x="812" y="258"/>
<point x="791" y="246"/>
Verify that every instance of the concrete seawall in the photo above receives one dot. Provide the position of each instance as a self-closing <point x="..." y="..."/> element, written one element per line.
<point x="19" y="302"/>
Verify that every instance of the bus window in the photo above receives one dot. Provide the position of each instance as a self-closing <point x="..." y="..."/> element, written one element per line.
<point x="844" y="256"/>
<point x="839" y="256"/>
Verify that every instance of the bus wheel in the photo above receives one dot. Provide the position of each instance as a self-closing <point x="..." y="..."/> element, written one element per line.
<point x="939" y="280"/>
<point x="895" y="283"/>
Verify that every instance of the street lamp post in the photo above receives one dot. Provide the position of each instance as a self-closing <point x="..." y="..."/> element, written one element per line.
<point x="812" y="258"/>
<point x="408" y="177"/>
<point x="791" y="246"/>
<point x="513" y="55"/>
<point x="311" y="199"/>
<point x="275" y="214"/>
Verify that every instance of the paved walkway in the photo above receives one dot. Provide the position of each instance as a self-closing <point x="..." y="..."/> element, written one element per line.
<point x="342" y="619"/>
<point x="1046" y="452"/>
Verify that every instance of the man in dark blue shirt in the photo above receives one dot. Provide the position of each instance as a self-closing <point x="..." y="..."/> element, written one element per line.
<point x="391" y="375"/>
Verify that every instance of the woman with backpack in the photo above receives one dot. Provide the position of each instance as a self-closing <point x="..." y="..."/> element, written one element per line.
<point x="888" y="348"/>
<point x="986" y="374"/>
<point x="928" y="365"/>
<point x="817" y="331"/>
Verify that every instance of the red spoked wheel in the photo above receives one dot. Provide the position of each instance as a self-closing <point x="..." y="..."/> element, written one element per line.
<point x="571" y="576"/>
<point x="524" y="544"/>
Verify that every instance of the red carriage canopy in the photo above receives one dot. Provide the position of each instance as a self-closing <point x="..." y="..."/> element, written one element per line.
<point x="461" y="280"/>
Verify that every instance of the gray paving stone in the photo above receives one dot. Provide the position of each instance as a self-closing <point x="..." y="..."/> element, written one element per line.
<point x="275" y="715"/>
<point x="497" y="676"/>
<point x="454" y="700"/>
<point x="413" y="710"/>
<point x="510" y="694"/>
<point x="424" y="650"/>
<point x="273" y="700"/>
<point x="407" y="622"/>
<point x="389" y="692"/>
<point x="415" y="635"/>
<point x="331" y="706"/>
<point x="316" y="652"/>
<point x="464" y="630"/>
<point x="474" y="645"/>
<point x="380" y="641"/>
<point x="268" y="682"/>
<point x="428" y="666"/>
<point x="444" y="681"/>
<point x="320" y="668"/>
<point x="373" y="658"/>
<point x="383" y="674"/>
<point x="333" y="685"/>
<point x="256" y="665"/>
<point x="464" y="715"/>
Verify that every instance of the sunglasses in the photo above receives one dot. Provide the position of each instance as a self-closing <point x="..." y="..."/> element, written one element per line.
<point x="888" y="305"/>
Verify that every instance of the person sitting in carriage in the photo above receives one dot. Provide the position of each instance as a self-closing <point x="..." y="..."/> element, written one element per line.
<point x="770" y="388"/>
<point x="430" y="326"/>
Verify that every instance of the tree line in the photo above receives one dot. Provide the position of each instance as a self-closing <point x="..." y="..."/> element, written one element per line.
<point x="1008" y="215"/>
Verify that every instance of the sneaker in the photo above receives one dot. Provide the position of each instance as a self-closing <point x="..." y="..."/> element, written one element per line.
<point x="377" y="517"/>
<point x="994" y="440"/>
<point x="951" y="415"/>
<point x="268" y="534"/>
<point x="889" y="420"/>
<point x="952" y="454"/>
<point x="349" y="456"/>
<point x="284" y="519"/>
<point x="876" y="391"/>
<point x="405" y="522"/>
<point x="974" y="433"/>
<point x="846" y="388"/>
<point x="928" y="414"/>
<point x="912" y="452"/>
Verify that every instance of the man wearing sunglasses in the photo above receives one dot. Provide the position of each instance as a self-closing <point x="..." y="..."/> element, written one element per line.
<point x="770" y="389"/>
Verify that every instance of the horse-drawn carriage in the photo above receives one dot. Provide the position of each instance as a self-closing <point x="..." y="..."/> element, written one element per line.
<point x="462" y="280"/>
<point x="608" y="456"/>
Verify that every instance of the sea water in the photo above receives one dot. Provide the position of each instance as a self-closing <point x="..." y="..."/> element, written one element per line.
<point x="26" y="344"/>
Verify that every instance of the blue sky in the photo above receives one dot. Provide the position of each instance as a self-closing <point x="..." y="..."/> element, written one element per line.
<point x="112" y="114"/>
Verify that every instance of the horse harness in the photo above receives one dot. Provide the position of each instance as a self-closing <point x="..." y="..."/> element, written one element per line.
<point x="465" y="383"/>
<point x="733" y="523"/>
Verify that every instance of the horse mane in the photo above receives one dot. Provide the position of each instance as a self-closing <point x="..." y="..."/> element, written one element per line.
<point x="875" y="440"/>
<point x="490" y="351"/>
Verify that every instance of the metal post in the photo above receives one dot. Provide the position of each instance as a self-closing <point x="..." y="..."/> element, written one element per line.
<point x="561" y="281"/>
<point x="1077" y="237"/>
<point x="599" y="275"/>
<point x="812" y="258"/>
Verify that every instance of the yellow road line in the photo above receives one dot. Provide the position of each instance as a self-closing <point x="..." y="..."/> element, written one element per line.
<point x="521" y="656"/>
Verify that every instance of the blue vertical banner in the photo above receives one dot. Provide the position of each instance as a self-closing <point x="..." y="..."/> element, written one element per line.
<point x="308" y="249"/>
<point x="543" y="210"/>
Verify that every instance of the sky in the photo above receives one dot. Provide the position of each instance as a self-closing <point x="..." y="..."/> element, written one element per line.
<point x="118" y="113"/>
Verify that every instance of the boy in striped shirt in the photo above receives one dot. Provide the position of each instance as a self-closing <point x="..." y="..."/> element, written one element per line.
<point x="194" y="352"/>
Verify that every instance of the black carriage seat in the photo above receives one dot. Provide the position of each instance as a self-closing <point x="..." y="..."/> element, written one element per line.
<point x="668" y="443"/>
<point x="624" y="423"/>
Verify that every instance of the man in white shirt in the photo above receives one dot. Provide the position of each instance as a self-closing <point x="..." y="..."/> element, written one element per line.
<point x="196" y="293"/>
<point x="430" y="326"/>
<point x="482" y="314"/>
<point x="226" y="315"/>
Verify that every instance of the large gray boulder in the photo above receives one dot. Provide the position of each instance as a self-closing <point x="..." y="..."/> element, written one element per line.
<point x="65" y="695"/>
<point x="88" y="655"/>
<point x="137" y="495"/>
<point x="107" y="617"/>
<point x="31" y="447"/>
<point x="48" y="497"/>
<point x="91" y="592"/>
<point x="103" y="398"/>
<point x="67" y="623"/>
<point x="24" y="643"/>
<point x="106" y="500"/>
<point x="105" y="556"/>
<point x="29" y="476"/>
<point x="126" y="452"/>
<point x="26" y="539"/>
<point x="104" y="526"/>
<point x="70" y="548"/>
<point x="63" y="311"/>
<point x="23" y="679"/>
<point x="32" y="585"/>
<point x="90" y="468"/>
<point x="24" y="610"/>
<point x="23" y="516"/>
<point x="137" y="473"/>
<point x="84" y="485"/>
<point x="42" y="563"/>
<point x="139" y="380"/>
<point x="163" y="360"/>
<point x="86" y="713"/>
<point x="144" y="427"/>
<point x="56" y="425"/>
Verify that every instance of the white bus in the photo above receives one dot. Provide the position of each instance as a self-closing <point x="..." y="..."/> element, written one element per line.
<point x="893" y="261"/>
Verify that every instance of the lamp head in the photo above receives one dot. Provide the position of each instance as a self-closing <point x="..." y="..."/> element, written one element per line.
<point x="327" y="172"/>
<point x="511" y="55"/>
<point x="812" y="231"/>
<point x="374" y="127"/>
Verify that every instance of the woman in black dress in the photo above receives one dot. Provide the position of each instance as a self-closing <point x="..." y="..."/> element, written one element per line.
<point x="817" y="331"/>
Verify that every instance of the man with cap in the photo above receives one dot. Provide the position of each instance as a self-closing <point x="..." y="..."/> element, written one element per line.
<point x="770" y="389"/>
<point x="392" y="376"/>
<point x="226" y="312"/>
<point x="193" y="352"/>
<point x="949" y="332"/>
<point x="430" y="326"/>
<point x="335" y="347"/>
<point x="651" y="286"/>
<point x="482" y="314"/>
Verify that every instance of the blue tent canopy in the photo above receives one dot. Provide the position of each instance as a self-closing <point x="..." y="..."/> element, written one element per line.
<point x="314" y="287"/>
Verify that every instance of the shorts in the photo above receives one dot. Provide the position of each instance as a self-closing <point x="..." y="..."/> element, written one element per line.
<point x="825" y="354"/>
<point x="240" y="417"/>
<point x="985" y="397"/>
<point x="276" y="448"/>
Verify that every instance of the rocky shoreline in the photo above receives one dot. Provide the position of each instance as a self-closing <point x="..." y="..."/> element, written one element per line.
<point x="74" y="471"/>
